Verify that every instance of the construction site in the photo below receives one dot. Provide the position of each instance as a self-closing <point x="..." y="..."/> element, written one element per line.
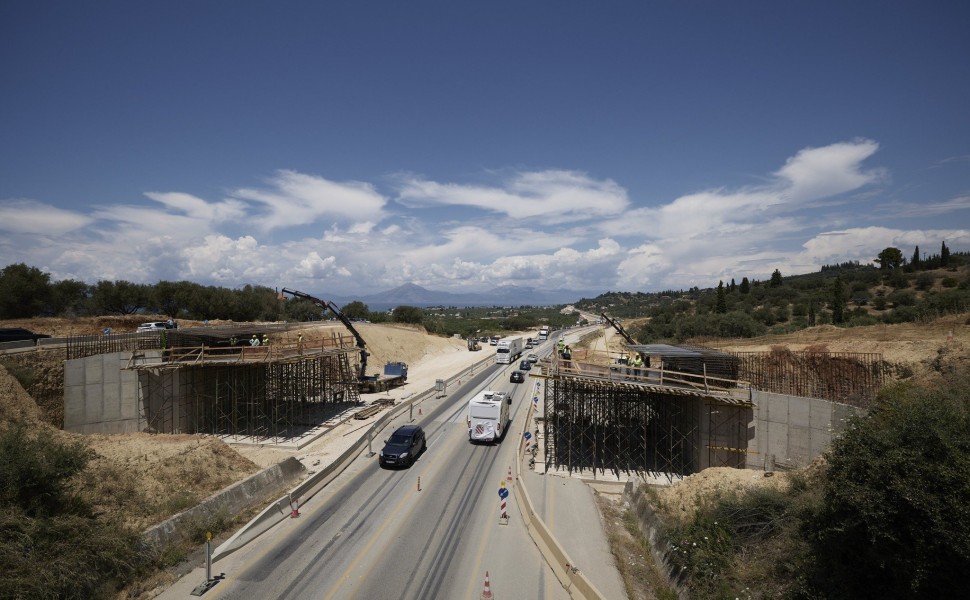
<point x="212" y="382"/>
<point x="264" y="384"/>
<point x="678" y="410"/>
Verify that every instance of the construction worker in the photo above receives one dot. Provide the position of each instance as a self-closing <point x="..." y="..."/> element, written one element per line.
<point x="254" y="341"/>
<point x="299" y="343"/>
<point x="265" y="340"/>
<point x="637" y="365"/>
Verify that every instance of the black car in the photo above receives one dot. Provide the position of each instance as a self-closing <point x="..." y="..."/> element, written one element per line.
<point x="525" y="365"/>
<point x="403" y="447"/>
<point x="517" y="377"/>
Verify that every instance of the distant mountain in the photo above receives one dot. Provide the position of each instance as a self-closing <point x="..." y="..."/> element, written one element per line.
<point x="507" y="295"/>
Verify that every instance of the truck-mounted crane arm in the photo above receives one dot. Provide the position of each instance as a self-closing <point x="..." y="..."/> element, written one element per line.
<point x="328" y="305"/>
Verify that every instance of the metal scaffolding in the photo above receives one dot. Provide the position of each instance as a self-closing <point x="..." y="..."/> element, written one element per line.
<point x="263" y="394"/>
<point x="685" y="408"/>
<point x="608" y="417"/>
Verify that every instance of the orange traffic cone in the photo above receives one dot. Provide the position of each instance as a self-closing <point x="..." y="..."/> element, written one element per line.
<point x="487" y="592"/>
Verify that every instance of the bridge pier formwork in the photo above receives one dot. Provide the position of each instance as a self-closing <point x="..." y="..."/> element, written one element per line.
<point x="620" y="429"/>
<point x="259" y="401"/>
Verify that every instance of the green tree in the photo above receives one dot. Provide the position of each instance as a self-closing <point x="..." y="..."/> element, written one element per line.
<point x="408" y="314"/>
<point x="721" y="306"/>
<point x="120" y="297"/>
<point x="915" y="261"/>
<point x="895" y="516"/>
<point x="890" y="258"/>
<point x="70" y="297"/>
<point x="838" y="301"/>
<point x="24" y="291"/>
<point x="745" y="286"/>
<point x="356" y="310"/>
<point x="776" y="280"/>
<point x="944" y="255"/>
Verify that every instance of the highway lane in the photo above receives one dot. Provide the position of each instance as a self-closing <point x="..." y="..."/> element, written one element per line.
<point x="372" y="534"/>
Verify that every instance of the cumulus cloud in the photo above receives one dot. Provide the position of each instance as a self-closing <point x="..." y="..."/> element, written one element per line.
<point x="312" y="266"/>
<point x="36" y="218"/>
<point x="294" y="199"/>
<point x="555" y="196"/>
<point x="816" y="173"/>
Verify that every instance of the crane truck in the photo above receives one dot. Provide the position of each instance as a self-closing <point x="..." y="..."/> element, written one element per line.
<point x="395" y="373"/>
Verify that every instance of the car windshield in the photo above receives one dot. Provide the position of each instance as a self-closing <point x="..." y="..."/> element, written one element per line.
<point x="399" y="439"/>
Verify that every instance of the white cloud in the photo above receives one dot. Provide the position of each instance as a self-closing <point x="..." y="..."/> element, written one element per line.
<point x="314" y="267"/>
<point x="816" y="173"/>
<point x="555" y="196"/>
<point x="35" y="218"/>
<point x="296" y="199"/>
<point x="865" y="243"/>
<point x="551" y="229"/>
<point x="197" y="208"/>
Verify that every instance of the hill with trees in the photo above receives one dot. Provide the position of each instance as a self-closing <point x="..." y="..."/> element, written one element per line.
<point x="846" y="295"/>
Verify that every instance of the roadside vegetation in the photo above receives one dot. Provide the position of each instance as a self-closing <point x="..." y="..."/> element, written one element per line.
<point x="52" y="542"/>
<point x="885" y="515"/>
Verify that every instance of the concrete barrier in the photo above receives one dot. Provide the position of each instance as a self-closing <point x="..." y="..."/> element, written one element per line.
<point x="572" y="579"/>
<point x="230" y="500"/>
<point x="280" y="509"/>
<point x="650" y="528"/>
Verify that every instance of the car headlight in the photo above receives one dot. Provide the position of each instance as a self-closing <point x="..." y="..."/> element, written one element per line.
<point x="382" y="454"/>
<point x="404" y="455"/>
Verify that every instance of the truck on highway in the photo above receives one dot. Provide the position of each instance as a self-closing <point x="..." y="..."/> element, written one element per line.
<point x="544" y="333"/>
<point x="395" y="374"/>
<point x="488" y="416"/>
<point x="508" y="350"/>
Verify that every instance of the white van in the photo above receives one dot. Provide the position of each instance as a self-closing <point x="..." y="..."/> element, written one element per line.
<point x="488" y="416"/>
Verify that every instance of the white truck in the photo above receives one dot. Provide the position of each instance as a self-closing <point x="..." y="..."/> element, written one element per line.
<point x="508" y="350"/>
<point x="544" y="332"/>
<point x="488" y="416"/>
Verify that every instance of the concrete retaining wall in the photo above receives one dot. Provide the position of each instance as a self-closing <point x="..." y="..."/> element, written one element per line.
<point x="100" y="396"/>
<point x="790" y="431"/>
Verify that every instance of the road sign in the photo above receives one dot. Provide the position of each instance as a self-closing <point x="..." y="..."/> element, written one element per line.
<point x="527" y="435"/>
<point x="503" y="493"/>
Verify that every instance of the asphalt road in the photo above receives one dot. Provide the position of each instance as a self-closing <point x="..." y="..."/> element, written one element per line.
<point x="373" y="533"/>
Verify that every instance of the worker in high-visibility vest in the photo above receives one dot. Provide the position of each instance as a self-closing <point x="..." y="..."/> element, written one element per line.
<point x="637" y="365"/>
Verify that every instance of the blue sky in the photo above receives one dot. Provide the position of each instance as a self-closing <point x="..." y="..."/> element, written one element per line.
<point x="349" y="147"/>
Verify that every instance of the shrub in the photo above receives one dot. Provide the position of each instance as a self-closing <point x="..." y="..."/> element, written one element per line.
<point x="896" y="501"/>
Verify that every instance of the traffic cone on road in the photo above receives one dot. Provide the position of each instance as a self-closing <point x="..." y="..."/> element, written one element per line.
<point x="487" y="592"/>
